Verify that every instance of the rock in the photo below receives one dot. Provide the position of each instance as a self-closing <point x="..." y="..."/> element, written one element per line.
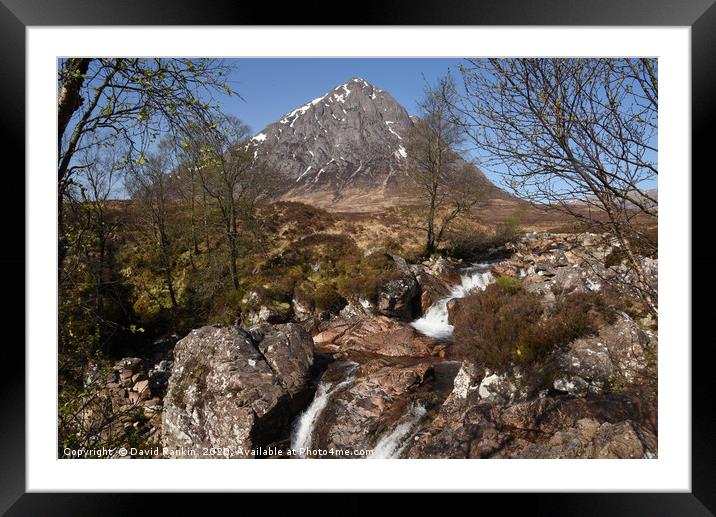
<point x="158" y="381"/>
<point x="397" y="298"/>
<point x="467" y="426"/>
<point x="559" y="259"/>
<point x="497" y="388"/>
<point x="358" y="308"/>
<point x="592" y="439"/>
<point x="288" y="349"/>
<point x="513" y="268"/>
<point x="432" y="288"/>
<point x="368" y="405"/>
<point x="628" y="345"/>
<point x="274" y="313"/>
<point x="535" y="283"/>
<point x="141" y="387"/>
<point x="444" y="270"/>
<point x="616" y="355"/>
<point x="378" y="335"/>
<point x="444" y="374"/>
<point x="453" y="307"/>
<point x="587" y="367"/>
<point x="569" y="280"/>
<point x="300" y="310"/>
<point x="400" y="264"/>
<point x="544" y="267"/>
<point x="129" y="364"/>
<point x="226" y="390"/>
<point x="330" y="335"/>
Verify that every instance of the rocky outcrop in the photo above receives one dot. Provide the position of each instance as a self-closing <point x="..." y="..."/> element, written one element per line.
<point x="397" y="298"/>
<point x="435" y="278"/>
<point x="472" y="425"/>
<point x="551" y="264"/>
<point x="124" y="401"/>
<point x="378" y="335"/>
<point x="616" y="356"/>
<point x="369" y="405"/>
<point x="235" y="389"/>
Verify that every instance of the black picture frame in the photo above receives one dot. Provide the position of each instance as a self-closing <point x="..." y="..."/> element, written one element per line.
<point x="16" y="15"/>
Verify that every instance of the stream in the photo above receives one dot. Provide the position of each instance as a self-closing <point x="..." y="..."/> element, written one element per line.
<point x="434" y="322"/>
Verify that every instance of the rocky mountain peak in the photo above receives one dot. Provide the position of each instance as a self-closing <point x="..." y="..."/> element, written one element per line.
<point x="348" y="138"/>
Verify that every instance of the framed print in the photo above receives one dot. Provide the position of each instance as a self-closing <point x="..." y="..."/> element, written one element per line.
<point x="431" y="240"/>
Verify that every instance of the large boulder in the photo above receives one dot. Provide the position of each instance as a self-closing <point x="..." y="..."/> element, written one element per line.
<point x="617" y="357"/>
<point x="436" y="277"/>
<point x="397" y="298"/>
<point x="369" y="405"/>
<point x="233" y="389"/>
<point x="432" y="288"/>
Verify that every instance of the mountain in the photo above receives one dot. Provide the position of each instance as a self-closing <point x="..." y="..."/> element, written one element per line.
<point x="346" y="145"/>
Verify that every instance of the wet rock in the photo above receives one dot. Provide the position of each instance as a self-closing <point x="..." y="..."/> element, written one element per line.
<point x="453" y="307"/>
<point x="369" y="405"/>
<point x="227" y="390"/>
<point x="432" y="288"/>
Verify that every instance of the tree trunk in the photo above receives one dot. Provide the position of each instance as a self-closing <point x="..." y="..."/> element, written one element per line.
<point x="233" y="257"/>
<point x="430" y="237"/>
<point x="69" y="100"/>
<point x="170" y="287"/>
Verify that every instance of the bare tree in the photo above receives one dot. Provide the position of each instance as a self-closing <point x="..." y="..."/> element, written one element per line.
<point x="129" y="101"/>
<point x="444" y="183"/>
<point x="225" y="167"/>
<point x="101" y="180"/>
<point x="149" y="184"/>
<point x="577" y="134"/>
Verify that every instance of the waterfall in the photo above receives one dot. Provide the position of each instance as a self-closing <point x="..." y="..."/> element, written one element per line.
<point x="302" y="435"/>
<point x="392" y="444"/>
<point x="434" y="322"/>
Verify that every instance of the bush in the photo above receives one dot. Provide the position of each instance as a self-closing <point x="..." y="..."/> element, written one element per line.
<point x="468" y="242"/>
<point x="506" y="326"/>
<point x="326" y="298"/>
<point x="365" y="276"/>
<point x="508" y="283"/>
<point x="321" y="297"/>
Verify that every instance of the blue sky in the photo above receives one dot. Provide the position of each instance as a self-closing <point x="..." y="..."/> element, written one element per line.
<point x="271" y="88"/>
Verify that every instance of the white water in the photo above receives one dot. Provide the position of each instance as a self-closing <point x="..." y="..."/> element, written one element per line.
<point x="302" y="435"/>
<point x="392" y="444"/>
<point x="434" y="322"/>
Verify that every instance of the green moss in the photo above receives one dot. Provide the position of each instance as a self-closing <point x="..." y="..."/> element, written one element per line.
<point x="508" y="283"/>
